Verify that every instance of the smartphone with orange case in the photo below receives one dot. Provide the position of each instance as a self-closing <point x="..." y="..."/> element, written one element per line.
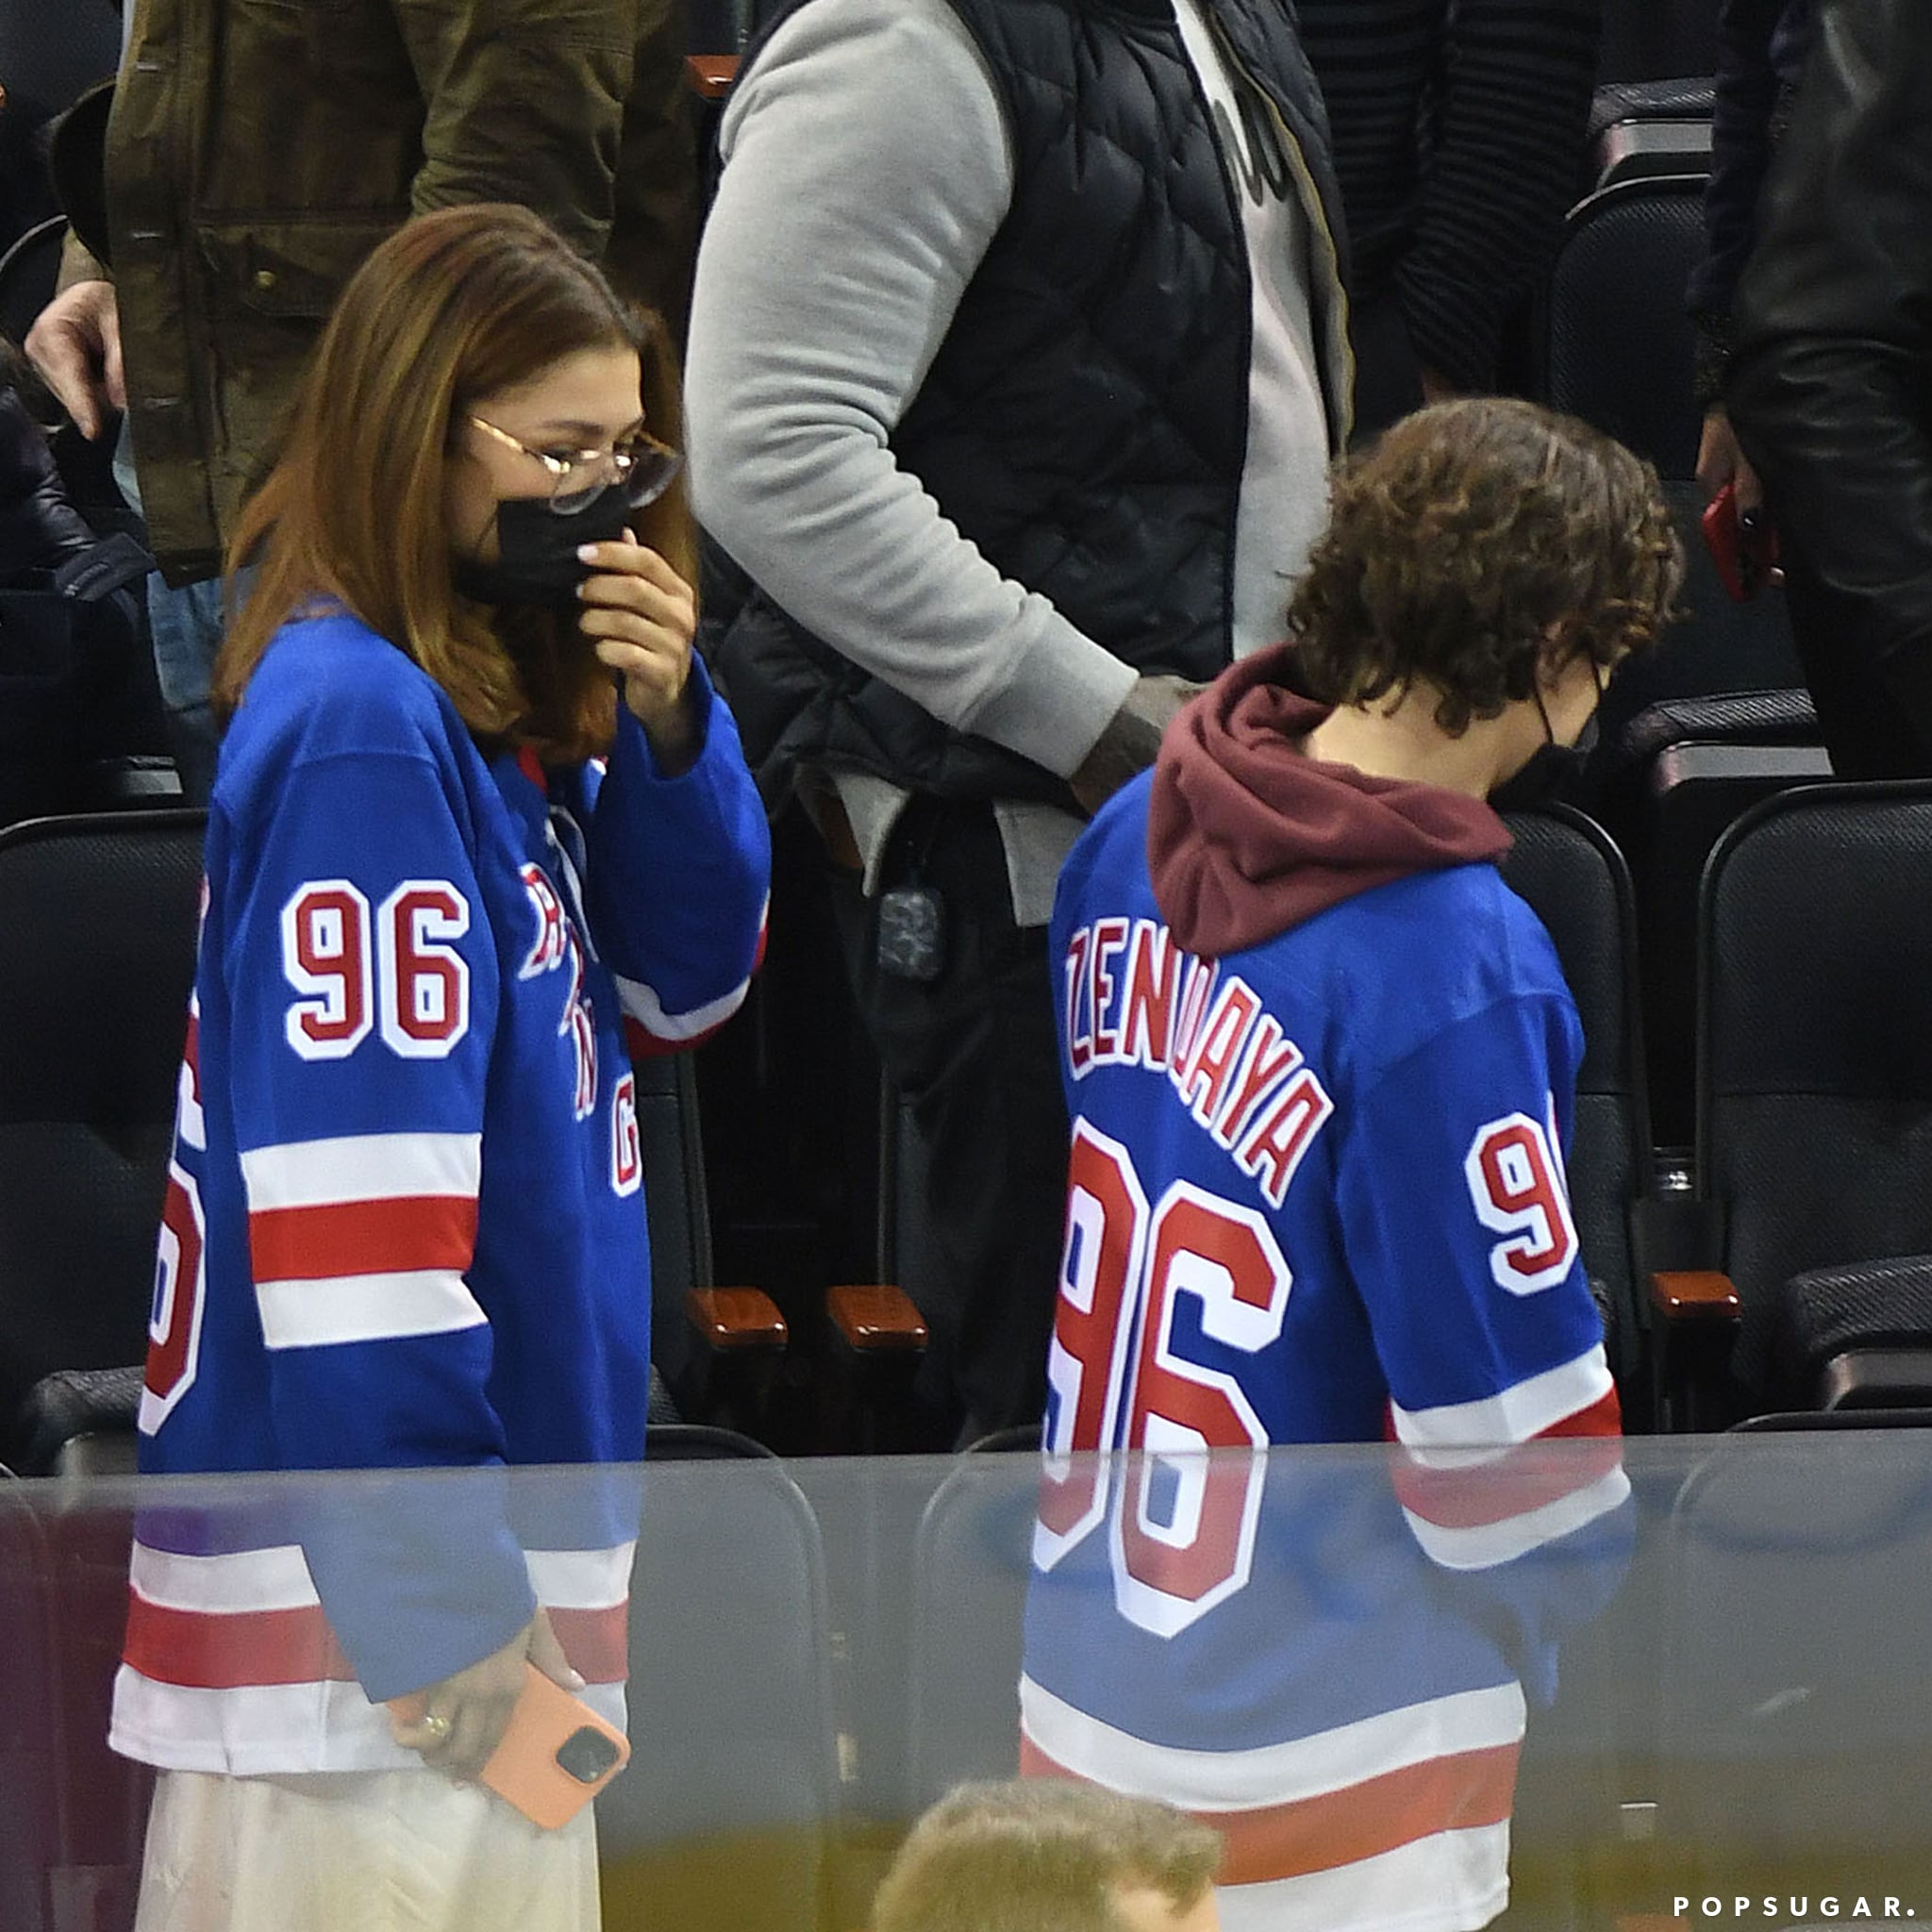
<point x="556" y="1754"/>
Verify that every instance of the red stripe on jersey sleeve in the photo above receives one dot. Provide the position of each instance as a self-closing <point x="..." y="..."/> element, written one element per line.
<point x="1603" y="1417"/>
<point x="398" y="1237"/>
<point x="1517" y="1483"/>
<point x="646" y="1046"/>
<point x="594" y="1642"/>
<point x="228" y="1651"/>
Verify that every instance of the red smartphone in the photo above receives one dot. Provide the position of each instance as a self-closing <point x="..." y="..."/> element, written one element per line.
<point x="555" y="1756"/>
<point x="1745" y="548"/>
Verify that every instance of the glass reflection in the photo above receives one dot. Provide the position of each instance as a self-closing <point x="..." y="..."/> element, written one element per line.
<point x="1329" y="1661"/>
<point x="812" y="1654"/>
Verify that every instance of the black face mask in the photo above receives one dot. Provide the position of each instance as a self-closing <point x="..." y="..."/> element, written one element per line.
<point x="538" y="561"/>
<point x="1554" y="773"/>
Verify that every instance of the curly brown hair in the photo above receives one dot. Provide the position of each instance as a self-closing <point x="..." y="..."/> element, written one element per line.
<point x="1476" y="545"/>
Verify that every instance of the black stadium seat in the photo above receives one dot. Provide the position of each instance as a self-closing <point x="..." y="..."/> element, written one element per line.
<point x="732" y="1719"/>
<point x="1619" y="351"/>
<point x="972" y="1564"/>
<point x="1573" y="878"/>
<point x="1794" y="1706"/>
<point x="96" y="959"/>
<point x="1620" y="348"/>
<point x="1814" y="1099"/>
<point x="1648" y="128"/>
<point x="1674" y="777"/>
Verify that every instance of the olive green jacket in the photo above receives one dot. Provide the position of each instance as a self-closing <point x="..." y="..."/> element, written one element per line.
<point x="259" y="149"/>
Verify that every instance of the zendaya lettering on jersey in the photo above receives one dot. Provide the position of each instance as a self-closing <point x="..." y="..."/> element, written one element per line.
<point x="1134" y="998"/>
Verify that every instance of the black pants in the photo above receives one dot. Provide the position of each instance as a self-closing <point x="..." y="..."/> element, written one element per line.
<point x="973" y="1053"/>
<point x="1874" y="726"/>
<point x="1387" y="378"/>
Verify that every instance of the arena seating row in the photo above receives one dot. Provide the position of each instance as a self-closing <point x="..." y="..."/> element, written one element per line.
<point x="1812" y="1077"/>
<point x="93" y="998"/>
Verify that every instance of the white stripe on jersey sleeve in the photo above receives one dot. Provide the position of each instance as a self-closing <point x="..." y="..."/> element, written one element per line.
<point x="1443" y="1883"/>
<point x="1524" y="1409"/>
<point x="1273" y="1773"/>
<point x="365" y="1307"/>
<point x="1483" y="1545"/>
<point x="643" y="1005"/>
<point x="276" y="1578"/>
<point x="581" y="1579"/>
<point x="363" y="1167"/>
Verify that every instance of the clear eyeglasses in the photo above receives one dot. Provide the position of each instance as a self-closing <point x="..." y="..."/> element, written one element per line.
<point x="639" y="465"/>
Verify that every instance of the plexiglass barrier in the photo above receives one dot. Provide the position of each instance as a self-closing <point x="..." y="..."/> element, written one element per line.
<point x="1583" y="1685"/>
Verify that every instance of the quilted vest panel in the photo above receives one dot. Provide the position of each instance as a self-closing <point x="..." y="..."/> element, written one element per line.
<point x="1085" y="422"/>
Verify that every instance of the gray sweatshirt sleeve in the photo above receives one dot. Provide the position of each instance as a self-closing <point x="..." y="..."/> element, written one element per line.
<point x="867" y="170"/>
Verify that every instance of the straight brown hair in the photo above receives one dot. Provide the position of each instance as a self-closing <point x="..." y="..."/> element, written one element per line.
<point x="452" y="307"/>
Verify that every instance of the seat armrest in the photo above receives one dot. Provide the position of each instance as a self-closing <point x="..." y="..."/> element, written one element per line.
<point x="1877" y="1379"/>
<point x="735" y="1319"/>
<point x="874" y="1318"/>
<point x="710" y="76"/>
<point x="72" y="1406"/>
<point x="1693" y="1294"/>
<point x="1857" y="1335"/>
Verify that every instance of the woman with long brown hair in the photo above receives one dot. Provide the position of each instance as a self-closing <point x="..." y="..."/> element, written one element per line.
<point x="478" y="813"/>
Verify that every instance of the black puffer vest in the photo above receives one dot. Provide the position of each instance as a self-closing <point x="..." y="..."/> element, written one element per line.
<point x="1085" y="422"/>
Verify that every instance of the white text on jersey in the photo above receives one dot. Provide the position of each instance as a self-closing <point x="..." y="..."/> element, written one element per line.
<point x="1135" y="999"/>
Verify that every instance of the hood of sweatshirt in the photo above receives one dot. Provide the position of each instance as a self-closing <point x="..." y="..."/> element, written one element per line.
<point x="1248" y="837"/>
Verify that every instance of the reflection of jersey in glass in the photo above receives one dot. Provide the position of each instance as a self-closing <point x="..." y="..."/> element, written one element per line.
<point x="1347" y="1706"/>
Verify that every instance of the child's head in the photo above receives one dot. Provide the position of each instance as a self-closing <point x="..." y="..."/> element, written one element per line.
<point x="1478" y="547"/>
<point x="1046" y="1855"/>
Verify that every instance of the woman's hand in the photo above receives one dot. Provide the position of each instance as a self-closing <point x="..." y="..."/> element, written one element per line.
<point x="457" y="1723"/>
<point x="1720" y="460"/>
<point x="642" y="616"/>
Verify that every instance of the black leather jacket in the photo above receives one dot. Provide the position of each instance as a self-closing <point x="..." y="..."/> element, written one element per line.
<point x="1831" y="386"/>
<point x="39" y="528"/>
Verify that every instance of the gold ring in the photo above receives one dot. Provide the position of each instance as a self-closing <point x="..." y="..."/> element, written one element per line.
<point x="435" y="1724"/>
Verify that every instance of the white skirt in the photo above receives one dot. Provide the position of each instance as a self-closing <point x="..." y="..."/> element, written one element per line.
<point x="383" y="1851"/>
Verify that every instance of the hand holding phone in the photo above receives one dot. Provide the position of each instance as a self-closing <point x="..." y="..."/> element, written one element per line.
<point x="1741" y="544"/>
<point x="455" y="1725"/>
<point x="557" y="1755"/>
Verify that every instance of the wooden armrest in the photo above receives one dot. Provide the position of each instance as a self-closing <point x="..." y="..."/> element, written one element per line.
<point x="1693" y="1296"/>
<point x="710" y="75"/>
<point x="736" y="1318"/>
<point x="874" y="1317"/>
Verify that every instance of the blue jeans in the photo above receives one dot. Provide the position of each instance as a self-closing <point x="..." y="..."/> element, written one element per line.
<point x="185" y="627"/>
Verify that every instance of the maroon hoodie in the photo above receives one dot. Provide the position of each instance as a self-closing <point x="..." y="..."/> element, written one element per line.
<point x="1247" y="837"/>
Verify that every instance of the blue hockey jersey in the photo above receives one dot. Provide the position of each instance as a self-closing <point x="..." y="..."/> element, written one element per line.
<point x="405" y="1225"/>
<point x="1316" y="1188"/>
<point x="1320" y="1063"/>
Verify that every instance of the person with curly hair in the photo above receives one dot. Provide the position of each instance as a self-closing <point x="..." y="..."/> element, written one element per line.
<point x="1308" y="1037"/>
